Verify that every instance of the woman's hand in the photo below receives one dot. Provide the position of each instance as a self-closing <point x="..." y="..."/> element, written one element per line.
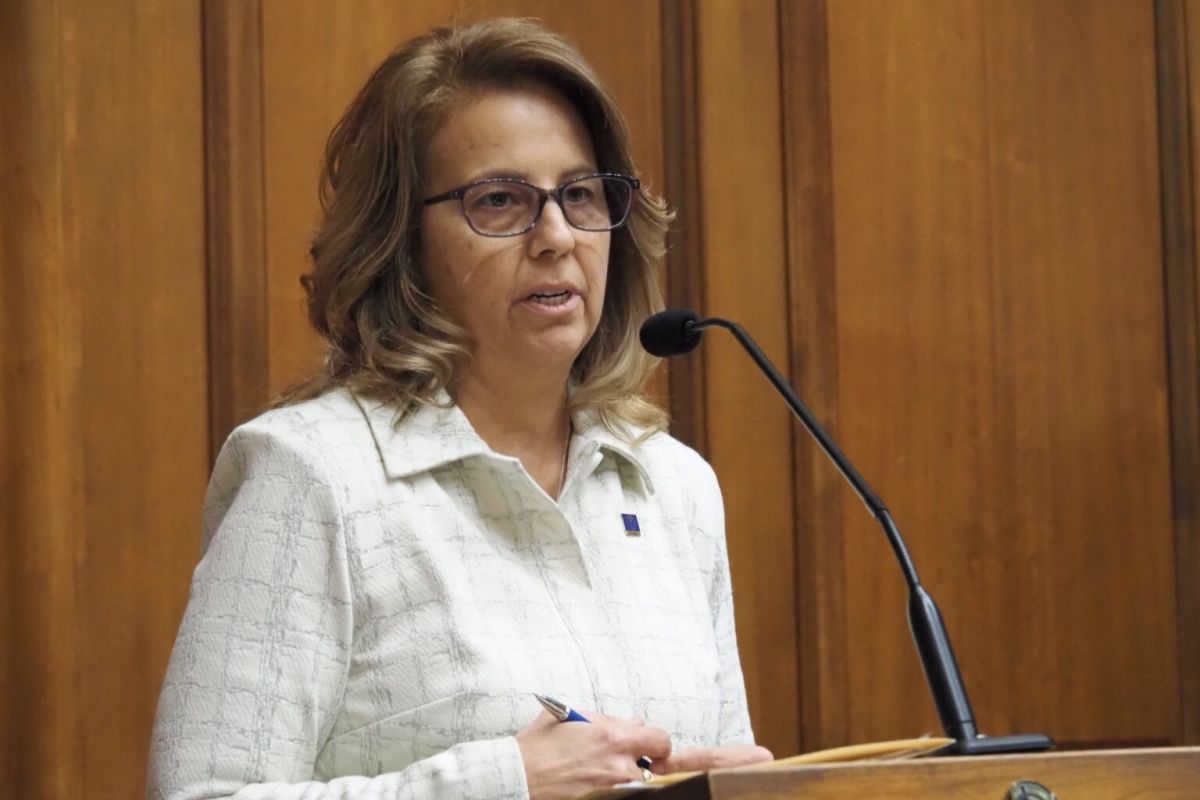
<point x="567" y="759"/>
<point x="700" y="759"/>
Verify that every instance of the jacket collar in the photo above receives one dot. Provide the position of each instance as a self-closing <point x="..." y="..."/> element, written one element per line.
<point x="438" y="433"/>
<point x="591" y="436"/>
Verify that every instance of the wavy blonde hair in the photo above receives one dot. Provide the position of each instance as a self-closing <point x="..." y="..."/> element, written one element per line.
<point x="367" y="296"/>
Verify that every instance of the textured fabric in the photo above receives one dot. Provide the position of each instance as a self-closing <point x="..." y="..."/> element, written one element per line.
<point x="376" y="605"/>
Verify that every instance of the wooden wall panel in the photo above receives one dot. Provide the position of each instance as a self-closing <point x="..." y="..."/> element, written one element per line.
<point x="685" y="260"/>
<point x="1001" y="360"/>
<point x="1178" y="26"/>
<point x="235" y="224"/>
<point x="748" y="429"/>
<point x="135" y="172"/>
<point x="314" y="58"/>
<point x="104" y="381"/>
<point x="40" y="492"/>
<point x="812" y="303"/>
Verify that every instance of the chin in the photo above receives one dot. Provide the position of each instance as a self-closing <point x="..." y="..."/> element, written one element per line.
<point x="561" y="347"/>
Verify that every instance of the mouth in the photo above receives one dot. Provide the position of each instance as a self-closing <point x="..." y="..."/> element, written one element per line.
<point x="550" y="298"/>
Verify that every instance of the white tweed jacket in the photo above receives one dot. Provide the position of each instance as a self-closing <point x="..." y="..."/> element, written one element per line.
<point x="376" y="605"/>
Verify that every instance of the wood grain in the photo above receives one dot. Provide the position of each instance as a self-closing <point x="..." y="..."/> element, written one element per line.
<point x="812" y="306"/>
<point x="236" y="235"/>
<point x="41" y="495"/>
<point x="1164" y="774"/>
<point x="104" y="421"/>
<point x="134" y="176"/>
<point x="681" y="91"/>
<point x="1001" y="360"/>
<point x="1178" y="26"/>
<point x="749" y="429"/>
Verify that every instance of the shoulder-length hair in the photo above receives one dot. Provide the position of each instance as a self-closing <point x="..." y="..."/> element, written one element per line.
<point x="367" y="296"/>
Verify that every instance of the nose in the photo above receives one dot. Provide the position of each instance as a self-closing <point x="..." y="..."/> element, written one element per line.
<point x="551" y="234"/>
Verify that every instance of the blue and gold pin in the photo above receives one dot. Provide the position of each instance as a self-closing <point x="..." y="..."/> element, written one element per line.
<point x="632" y="528"/>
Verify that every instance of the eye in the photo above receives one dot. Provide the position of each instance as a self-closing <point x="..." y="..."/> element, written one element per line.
<point x="499" y="197"/>
<point x="579" y="193"/>
<point x="496" y="198"/>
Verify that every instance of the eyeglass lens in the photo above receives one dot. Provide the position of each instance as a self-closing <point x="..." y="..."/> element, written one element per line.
<point x="503" y="208"/>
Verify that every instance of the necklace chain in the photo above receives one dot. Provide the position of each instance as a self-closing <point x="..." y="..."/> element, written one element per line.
<point x="562" y="473"/>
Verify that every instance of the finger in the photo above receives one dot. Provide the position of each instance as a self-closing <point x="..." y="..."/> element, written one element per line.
<point x="740" y="755"/>
<point x="647" y="740"/>
<point x="718" y="757"/>
<point x="690" y="759"/>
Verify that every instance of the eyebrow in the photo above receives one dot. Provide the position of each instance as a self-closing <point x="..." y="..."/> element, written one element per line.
<point x="513" y="175"/>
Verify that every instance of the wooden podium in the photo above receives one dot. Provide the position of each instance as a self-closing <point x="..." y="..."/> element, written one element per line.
<point x="1158" y="774"/>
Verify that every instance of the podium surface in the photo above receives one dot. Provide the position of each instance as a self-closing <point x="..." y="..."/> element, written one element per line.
<point x="1158" y="773"/>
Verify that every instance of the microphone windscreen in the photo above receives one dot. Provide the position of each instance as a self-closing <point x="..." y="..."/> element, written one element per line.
<point x="666" y="333"/>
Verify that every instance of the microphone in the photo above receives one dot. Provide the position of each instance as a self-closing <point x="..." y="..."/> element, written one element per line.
<point x="677" y="331"/>
<point x="669" y="333"/>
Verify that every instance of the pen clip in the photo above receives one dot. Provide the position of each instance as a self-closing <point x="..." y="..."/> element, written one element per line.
<point x="559" y="710"/>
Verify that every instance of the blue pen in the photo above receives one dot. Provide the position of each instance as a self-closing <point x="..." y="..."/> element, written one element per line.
<point x="564" y="713"/>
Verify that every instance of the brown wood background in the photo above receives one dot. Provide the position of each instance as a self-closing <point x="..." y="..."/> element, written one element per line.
<point x="966" y="228"/>
<point x="1001" y="358"/>
<point x="104" y="442"/>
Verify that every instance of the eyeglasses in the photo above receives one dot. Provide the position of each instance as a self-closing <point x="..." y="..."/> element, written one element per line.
<point x="510" y="207"/>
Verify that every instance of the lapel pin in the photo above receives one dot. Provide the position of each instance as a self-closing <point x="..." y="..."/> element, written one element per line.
<point x="631" y="525"/>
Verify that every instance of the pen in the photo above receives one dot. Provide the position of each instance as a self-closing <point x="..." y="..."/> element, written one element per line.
<point x="564" y="713"/>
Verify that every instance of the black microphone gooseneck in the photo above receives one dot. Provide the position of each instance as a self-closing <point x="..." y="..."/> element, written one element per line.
<point x="676" y="331"/>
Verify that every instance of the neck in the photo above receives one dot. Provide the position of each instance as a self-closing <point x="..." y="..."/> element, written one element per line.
<point x="525" y="418"/>
<point x="514" y="410"/>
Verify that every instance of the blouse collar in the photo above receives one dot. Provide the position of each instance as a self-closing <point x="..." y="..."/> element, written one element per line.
<point x="439" y="433"/>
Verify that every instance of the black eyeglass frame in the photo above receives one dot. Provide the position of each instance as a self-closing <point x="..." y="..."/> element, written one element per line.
<point x="543" y="195"/>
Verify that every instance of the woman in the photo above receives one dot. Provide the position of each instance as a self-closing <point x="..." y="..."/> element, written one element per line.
<point x="472" y="503"/>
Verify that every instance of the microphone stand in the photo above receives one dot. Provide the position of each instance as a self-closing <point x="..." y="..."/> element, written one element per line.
<point x="924" y="619"/>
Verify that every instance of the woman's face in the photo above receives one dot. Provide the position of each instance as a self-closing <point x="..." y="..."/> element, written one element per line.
<point x="532" y="300"/>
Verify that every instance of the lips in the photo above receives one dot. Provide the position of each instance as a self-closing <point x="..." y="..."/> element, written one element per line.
<point x="550" y="298"/>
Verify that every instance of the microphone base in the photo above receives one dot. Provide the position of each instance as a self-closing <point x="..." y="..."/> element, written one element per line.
<point x="994" y="745"/>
